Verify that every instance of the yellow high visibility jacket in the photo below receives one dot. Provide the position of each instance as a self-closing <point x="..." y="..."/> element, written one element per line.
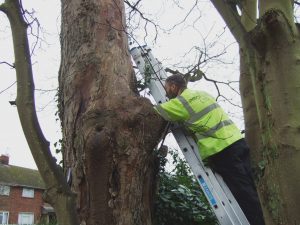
<point x="202" y="115"/>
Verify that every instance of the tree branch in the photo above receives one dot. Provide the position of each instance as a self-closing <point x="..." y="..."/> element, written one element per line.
<point x="11" y="65"/>
<point x="186" y="16"/>
<point x="200" y="75"/>
<point x="8" y="87"/>
<point x="58" y="193"/>
<point x="134" y="8"/>
<point x="30" y="21"/>
<point x="249" y="14"/>
<point x="231" y="18"/>
<point x="215" y="82"/>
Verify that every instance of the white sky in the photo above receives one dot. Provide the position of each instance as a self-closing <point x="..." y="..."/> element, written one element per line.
<point x="169" y="48"/>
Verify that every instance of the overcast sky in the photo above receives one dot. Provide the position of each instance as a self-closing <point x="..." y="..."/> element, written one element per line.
<point x="169" y="48"/>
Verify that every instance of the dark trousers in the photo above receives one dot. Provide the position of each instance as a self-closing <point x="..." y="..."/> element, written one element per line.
<point x="233" y="164"/>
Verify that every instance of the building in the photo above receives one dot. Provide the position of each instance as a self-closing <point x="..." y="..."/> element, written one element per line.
<point x="21" y="191"/>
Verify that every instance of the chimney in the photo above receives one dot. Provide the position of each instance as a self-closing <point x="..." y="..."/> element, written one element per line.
<point x="4" y="159"/>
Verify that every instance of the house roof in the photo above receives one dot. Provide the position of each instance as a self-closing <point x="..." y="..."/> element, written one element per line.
<point x="20" y="176"/>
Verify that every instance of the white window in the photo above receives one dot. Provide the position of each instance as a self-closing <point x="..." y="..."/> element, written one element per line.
<point x="4" y="190"/>
<point x="26" y="218"/>
<point x="4" y="217"/>
<point x="28" y="193"/>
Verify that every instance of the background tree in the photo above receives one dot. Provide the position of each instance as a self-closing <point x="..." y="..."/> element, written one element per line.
<point x="269" y="82"/>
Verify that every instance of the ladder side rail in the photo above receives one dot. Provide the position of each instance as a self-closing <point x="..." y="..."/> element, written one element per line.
<point x="144" y="58"/>
<point x="217" y="178"/>
<point x="234" y="203"/>
<point x="215" y="193"/>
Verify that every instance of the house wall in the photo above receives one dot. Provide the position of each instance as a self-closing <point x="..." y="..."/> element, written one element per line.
<point x="15" y="204"/>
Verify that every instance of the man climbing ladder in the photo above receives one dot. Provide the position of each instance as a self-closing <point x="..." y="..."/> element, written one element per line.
<point x="220" y="142"/>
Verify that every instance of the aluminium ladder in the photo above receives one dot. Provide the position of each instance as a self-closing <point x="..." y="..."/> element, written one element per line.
<point x="221" y="200"/>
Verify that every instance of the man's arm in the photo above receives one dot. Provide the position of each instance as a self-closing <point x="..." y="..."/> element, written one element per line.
<point x="172" y="111"/>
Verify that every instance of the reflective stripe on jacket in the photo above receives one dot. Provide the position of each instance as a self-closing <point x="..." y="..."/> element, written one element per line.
<point x="202" y="115"/>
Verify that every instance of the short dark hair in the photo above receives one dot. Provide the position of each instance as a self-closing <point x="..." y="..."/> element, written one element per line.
<point x="177" y="79"/>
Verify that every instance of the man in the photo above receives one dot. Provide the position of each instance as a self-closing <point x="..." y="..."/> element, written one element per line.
<point x="220" y="142"/>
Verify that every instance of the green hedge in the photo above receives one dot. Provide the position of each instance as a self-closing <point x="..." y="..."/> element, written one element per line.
<point x="180" y="200"/>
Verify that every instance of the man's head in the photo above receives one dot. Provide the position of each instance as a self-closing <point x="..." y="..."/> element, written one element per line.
<point x="174" y="85"/>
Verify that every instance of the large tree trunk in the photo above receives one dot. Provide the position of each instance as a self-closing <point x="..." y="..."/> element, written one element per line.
<point x="109" y="132"/>
<point x="275" y="86"/>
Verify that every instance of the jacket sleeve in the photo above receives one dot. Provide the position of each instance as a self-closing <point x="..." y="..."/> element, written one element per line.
<point x="172" y="111"/>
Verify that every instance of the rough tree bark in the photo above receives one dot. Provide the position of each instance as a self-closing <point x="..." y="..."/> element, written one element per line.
<point x="57" y="193"/>
<point x="109" y="132"/>
<point x="270" y="83"/>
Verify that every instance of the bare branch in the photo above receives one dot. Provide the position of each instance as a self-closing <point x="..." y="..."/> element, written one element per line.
<point x="215" y="82"/>
<point x="297" y="2"/>
<point x="201" y="74"/>
<point x="230" y="101"/>
<point x="231" y="18"/>
<point x="8" y="87"/>
<point x="31" y="20"/>
<point x="186" y="16"/>
<point x="222" y="82"/>
<point x="11" y="65"/>
<point x="134" y="8"/>
<point x="202" y="56"/>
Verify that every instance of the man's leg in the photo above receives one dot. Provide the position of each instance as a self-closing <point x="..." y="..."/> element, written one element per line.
<point x="233" y="164"/>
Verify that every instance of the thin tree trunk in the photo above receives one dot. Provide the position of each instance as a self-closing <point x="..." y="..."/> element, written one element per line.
<point x="57" y="193"/>
<point x="109" y="131"/>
